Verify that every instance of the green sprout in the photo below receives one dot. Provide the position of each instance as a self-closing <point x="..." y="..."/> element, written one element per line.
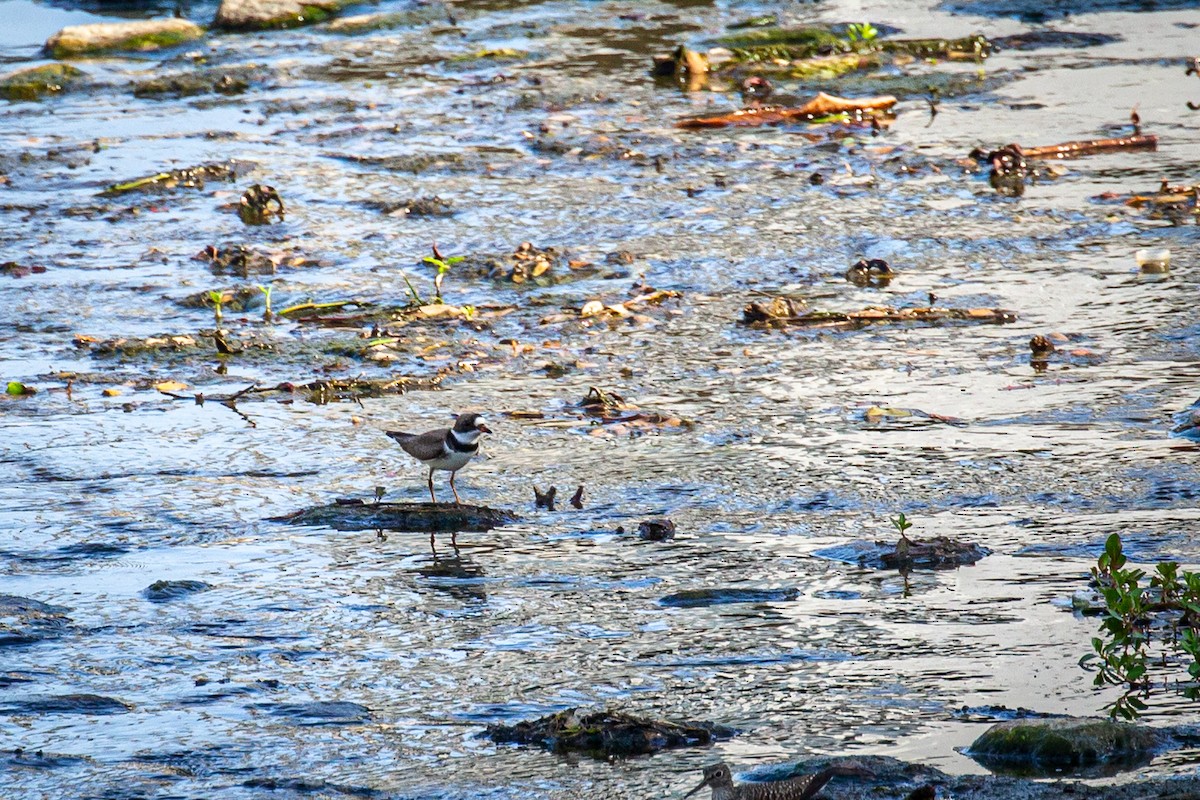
<point x="217" y="298"/>
<point x="443" y="265"/>
<point x="266" y="290"/>
<point x="468" y="312"/>
<point x="901" y="524"/>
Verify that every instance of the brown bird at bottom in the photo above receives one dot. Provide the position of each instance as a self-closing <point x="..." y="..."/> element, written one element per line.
<point x="720" y="779"/>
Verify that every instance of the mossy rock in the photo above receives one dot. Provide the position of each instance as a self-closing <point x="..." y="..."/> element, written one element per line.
<point x="258" y="15"/>
<point x="412" y="517"/>
<point x="116" y="37"/>
<point x="34" y="83"/>
<point x="607" y="733"/>
<point x="218" y="80"/>
<point x="1064" y="742"/>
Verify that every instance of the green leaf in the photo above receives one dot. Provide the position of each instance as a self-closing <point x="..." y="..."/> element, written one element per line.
<point x="18" y="389"/>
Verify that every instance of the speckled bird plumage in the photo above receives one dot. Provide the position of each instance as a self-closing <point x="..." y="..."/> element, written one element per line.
<point x="719" y="778"/>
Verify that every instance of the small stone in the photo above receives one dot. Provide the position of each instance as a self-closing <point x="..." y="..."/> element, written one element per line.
<point x="658" y="529"/>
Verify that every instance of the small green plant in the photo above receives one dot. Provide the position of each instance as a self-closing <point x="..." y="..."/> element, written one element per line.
<point x="217" y="298"/>
<point x="1144" y="629"/>
<point x="901" y="524"/>
<point x="443" y="266"/>
<point x="468" y="312"/>
<point x="266" y="290"/>
<point x="861" y="32"/>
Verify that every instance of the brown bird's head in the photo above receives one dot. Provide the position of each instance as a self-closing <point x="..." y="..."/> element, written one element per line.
<point x="715" y="775"/>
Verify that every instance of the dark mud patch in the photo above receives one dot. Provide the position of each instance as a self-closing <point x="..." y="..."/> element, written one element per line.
<point x="605" y="734"/>
<point x="698" y="598"/>
<point x="412" y="517"/>
<point x="24" y="621"/>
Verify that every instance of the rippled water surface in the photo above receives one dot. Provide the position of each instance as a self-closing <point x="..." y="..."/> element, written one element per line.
<point x="316" y="662"/>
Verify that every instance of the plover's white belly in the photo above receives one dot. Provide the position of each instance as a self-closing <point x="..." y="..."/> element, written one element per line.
<point x="451" y="461"/>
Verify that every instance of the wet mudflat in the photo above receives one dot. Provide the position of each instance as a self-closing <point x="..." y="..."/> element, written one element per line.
<point x="174" y="641"/>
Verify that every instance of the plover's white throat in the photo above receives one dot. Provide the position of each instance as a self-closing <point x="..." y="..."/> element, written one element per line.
<point x="446" y="449"/>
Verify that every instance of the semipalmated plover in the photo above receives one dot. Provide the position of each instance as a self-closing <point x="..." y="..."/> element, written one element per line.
<point x="447" y="449"/>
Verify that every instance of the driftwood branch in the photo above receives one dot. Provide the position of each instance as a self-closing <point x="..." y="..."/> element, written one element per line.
<point x="820" y="106"/>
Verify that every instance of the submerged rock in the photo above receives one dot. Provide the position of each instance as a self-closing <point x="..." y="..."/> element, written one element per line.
<point x="607" y="733"/>
<point x="34" y="83"/>
<point x="23" y="621"/>
<point x="68" y="704"/>
<point x="321" y="712"/>
<point x="417" y="517"/>
<point x="255" y="15"/>
<point x="110" y="37"/>
<point x="162" y="591"/>
<point x="692" y="598"/>
<point x="1052" y="744"/>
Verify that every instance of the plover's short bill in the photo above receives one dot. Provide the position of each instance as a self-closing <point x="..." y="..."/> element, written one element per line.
<point x="447" y="449"/>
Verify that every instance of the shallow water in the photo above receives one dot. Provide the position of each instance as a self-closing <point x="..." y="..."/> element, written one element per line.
<point x="331" y="663"/>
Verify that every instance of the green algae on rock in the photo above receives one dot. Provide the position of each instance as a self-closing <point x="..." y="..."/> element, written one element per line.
<point x="1061" y="742"/>
<point x="257" y="15"/>
<point x="115" y="37"/>
<point x="217" y="80"/>
<point x="34" y="83"/>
